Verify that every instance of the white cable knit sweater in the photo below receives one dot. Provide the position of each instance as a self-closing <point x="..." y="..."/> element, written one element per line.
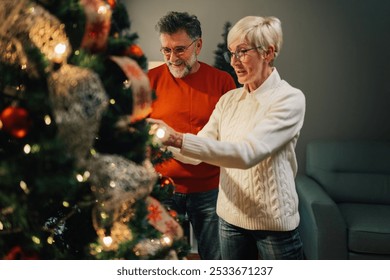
<point x="252" y="137"/>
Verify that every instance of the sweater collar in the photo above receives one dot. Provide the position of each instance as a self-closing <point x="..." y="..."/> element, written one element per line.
<point x="268" y="84"/>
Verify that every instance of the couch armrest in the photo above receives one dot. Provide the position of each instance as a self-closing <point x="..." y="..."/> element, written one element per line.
<point x="322" y="228"/>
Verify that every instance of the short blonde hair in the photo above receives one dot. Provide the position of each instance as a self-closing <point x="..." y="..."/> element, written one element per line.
<point x="258" y="31"/>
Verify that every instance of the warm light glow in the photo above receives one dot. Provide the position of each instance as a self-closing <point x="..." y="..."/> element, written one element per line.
<point x="24" y="187"/>
<point x="86" y="175"/>
<point x="79" y="178"/>
<point x="65" y="204"/>
<point x="59" y="53"/>
<point x="160" y="133"/>
<point x="50" y="240"/>
<point x="60" y="49"/>
<point x="102" y="9"/>
<point x="27" y="149"/>
<point x="166" y="240"/>
<point x="36" y="240"/>
<point x="103" y="215"/>
<point x="107" y="240"/>
<point x="47" y="120"/>
<point x="1" y="226"/>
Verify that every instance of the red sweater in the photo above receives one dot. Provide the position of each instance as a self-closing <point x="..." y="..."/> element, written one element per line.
<point x="186" y="104"/>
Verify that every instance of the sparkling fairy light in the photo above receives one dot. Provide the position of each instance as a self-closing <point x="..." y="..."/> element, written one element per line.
<point x="59" y="53"/>
<point x="107" y="240"/>
<point x="47" y="120"/>
<point x="160" y="133"/>
<point x="27" y="149"/>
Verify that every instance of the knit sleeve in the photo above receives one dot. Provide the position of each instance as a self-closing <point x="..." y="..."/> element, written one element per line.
<point x="280" y="125"/>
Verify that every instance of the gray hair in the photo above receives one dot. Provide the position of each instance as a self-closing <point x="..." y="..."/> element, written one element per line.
<point x="258" y="31"/>
<point x="173" y="22"/>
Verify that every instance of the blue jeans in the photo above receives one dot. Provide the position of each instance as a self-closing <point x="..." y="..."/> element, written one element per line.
<point x="242" y="244"/>
<point x="201" y="211"/>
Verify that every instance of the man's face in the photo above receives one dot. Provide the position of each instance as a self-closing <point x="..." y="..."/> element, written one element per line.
<point x="180" y="52"/>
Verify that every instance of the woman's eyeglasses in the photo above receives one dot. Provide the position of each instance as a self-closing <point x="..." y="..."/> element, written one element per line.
<point x="239" y="54"/>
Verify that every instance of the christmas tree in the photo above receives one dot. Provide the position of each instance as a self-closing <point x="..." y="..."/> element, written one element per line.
<point x="76" y="155"/>
<point x="220" y="62"/>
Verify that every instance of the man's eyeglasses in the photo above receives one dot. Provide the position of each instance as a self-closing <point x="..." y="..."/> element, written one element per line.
<point x="177" y="51"/>
<point x="239" y="54"/>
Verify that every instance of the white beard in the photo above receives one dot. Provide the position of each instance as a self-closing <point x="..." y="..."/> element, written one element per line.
<point x="184" y="70"/>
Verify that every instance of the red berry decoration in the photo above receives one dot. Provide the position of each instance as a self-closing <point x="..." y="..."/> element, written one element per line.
<point x="167" y="185"/>
<point x="15" y="121"/>
<point x="166" y="181"/>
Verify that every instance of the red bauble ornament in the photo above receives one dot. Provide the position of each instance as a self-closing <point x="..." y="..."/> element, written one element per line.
<point x="15" y="121"/>
<point x="134" y="50"/>
<point x="112" y="3"/>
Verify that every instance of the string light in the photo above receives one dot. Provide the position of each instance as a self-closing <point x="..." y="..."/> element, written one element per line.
<point x="166" y="240"/>
<point x="24" y="187"/>
<point x="47" y="120"/>
<point x="36" y="240"/>
<point x="50" y="240"/>
<point x="83" y="177"/>
<point x="27" y="149"/>
<point x="59" y="53"/>
<point x="79" y="178"/>
<point x="107" y="241"/>
<point x="160" y="133"/>
<point x="102" y="10"/>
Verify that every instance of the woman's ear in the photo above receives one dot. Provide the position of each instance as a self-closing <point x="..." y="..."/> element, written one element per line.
<point x="269" y="54"/>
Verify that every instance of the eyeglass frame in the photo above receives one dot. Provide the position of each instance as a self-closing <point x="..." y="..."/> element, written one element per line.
<point x="178" y="51"/>
<point x="238" y="54"/>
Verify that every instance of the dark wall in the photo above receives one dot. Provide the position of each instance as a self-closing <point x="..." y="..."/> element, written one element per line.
<point x="337" y="52"/>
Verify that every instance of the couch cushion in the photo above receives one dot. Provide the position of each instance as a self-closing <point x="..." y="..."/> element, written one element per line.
<point x="368" y="227"/>
<point x="351" y="171"/>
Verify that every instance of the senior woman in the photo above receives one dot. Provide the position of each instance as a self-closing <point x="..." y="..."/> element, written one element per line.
<point x="251" y="135"/>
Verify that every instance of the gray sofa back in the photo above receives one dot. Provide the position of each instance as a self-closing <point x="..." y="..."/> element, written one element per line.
<point x="351" y="171"/>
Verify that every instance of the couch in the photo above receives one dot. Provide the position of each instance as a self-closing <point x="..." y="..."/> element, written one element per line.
<point x="344" y="200"/>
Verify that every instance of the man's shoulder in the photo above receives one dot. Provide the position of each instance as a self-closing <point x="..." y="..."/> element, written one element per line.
<point x="215" y="72"/>
<point x="157" y="70"/>
<point x="211" y="68"/>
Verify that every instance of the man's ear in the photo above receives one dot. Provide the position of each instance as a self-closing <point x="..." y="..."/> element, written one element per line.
<point x="198" y="46"/>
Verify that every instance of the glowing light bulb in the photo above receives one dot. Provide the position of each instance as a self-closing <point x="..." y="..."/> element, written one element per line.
<point x="107" y="240"/>
<point x="27" y="149"/>
<point x="24" y="187"/>
<point x="166" y="240"/>
<point x="59" y="53"/>
<point x="160" y="133"/>
<point x="102" y="10"/>
<point x="47" y="120"/>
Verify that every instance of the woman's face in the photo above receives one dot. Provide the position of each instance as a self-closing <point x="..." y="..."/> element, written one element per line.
<point x="250" y="66"/>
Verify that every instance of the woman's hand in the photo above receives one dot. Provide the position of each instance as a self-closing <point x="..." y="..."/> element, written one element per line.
<point x="167" y="135"/>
